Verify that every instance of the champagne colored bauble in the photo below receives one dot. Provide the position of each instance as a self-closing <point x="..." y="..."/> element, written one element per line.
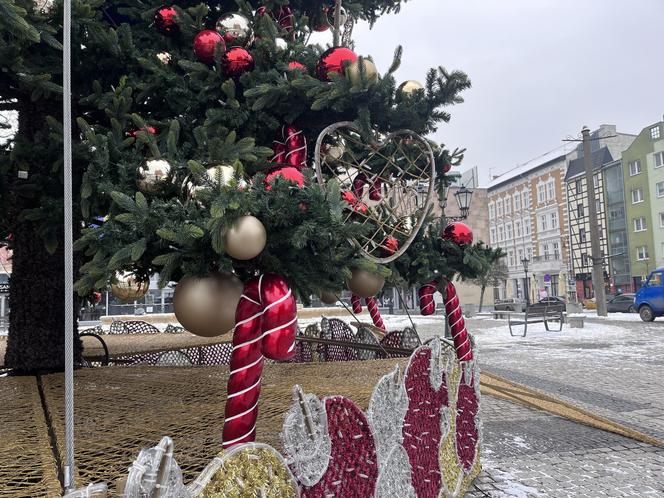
<point x="459" y="233"/>
<point x="364" y="283"/>
<point x="129" y="287"/>
<point x="408" y="88"/>
<point x="246" y="238"/>
<point x="236" y="61"/>
<point x="206" y="306"/>
<point x="333" y="61"/>
<point x="205" y="45"/>
<point x="281" y="44"/>
<point x="153" y="175"/>
<point x="370" y="73"/>
<point x="165" y="20"/>
<point x="288" y="173"/>
<point x="328" y="297"/>
<point x="235" y="29"/>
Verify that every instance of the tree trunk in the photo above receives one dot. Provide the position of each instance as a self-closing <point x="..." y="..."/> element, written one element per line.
<point x="36" y="297"/>
<point x="482" y="289"/>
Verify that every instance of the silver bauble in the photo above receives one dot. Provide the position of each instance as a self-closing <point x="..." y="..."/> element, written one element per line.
<point x="128" y="287"/>
<point x="206" y="306"/>
<point x="153" y="174"/>
<point x="236" y="30"/>
<point x="364" y="283"/>
<point x="246" y="239"/>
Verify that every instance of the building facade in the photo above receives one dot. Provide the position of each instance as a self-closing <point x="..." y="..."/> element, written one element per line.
<point x="643" y="173"/>
<point x="527" y="219"/>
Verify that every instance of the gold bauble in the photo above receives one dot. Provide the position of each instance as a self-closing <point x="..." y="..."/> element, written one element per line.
<point x="206" y="306"/>
<point x="129" y="287"/>
<point x="364" y="283"/>
<point x="408" y="88"/>
<point x="246" y="239"/>
<point x="153" y="175"/>
<point x="370" y="72"/>
<point x="327" y="297"/>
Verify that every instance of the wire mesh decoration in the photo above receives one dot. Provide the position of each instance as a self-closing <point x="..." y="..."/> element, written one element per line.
<point x="387" y="183"/>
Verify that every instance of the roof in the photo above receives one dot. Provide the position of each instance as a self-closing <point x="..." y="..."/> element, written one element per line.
<point x="533" y="165"/>
<point x="598" y="158"/>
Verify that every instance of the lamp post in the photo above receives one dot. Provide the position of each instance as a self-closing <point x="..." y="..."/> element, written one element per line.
<point x="464" y="196"/>
<point x="525" y="262"/>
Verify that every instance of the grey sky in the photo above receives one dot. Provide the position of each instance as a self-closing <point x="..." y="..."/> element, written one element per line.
<point x="541" y="69"/>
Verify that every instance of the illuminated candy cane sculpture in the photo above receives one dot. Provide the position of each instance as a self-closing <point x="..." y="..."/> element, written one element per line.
<point x="372" y="306"/>
<point x="426" y="292"/>
<point x="457" y="324"/>
<point x="266" y="322"/>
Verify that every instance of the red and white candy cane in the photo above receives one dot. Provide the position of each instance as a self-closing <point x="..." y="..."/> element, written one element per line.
<point x="457" y="324"/>
<point x="266" y="322"/>
<point x="427" y="303"/>
<point x="290" y="147"/>
<point x="372" y="306"/>
<point x="356" y="304"/>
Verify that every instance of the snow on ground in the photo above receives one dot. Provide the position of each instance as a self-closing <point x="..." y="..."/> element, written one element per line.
<point x="616" y="317"/>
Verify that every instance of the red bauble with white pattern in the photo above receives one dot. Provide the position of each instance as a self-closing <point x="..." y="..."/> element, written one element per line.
<point x="459" y="233"/>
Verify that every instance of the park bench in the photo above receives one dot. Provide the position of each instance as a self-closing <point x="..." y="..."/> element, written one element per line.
<point x="502" y="314"/>
<point x="536" y="314"/>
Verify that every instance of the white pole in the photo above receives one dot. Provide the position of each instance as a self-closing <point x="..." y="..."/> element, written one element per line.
<point x="69" y="255"/>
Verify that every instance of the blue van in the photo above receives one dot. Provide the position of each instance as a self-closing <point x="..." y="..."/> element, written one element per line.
<point x="649" y="299"/>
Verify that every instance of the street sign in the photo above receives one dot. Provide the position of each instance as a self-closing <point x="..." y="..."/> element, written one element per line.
<point x="547" y="278"/>
<point x="4" y="288"/>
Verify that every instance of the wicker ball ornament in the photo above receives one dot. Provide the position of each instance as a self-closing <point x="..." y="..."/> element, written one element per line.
<point x="364" y="283"/>
<point x="128" y="287"/>
<point x="459" y="233"/>
<point x="206" y="306"/>
<point x="206" y="43"/>
<point x="246" y="239"/>
<point x="333" y="60"/>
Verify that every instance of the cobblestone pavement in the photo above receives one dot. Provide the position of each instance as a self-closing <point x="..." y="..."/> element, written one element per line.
<point x="611" y="368"/>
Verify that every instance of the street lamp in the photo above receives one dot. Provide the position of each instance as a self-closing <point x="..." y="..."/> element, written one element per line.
<point x="463" y="197"/>
<point x="525" y="262"/>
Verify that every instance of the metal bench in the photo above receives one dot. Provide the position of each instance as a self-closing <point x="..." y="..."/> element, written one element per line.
<point x="536" y="315"/>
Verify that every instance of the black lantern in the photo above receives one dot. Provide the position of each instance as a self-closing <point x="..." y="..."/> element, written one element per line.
<point x="525" y="262"/>
<point x="463" y="197"/>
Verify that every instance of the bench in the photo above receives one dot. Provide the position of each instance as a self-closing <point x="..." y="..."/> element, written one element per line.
<point x="536" y="315"/>
<point x="502" y="314"/>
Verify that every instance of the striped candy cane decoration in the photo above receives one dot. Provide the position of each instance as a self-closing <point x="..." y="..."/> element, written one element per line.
<point x="296" y="146"/>
<point x="457" y="324"/>
<point x="356" y="303"/>
<point x="266" y="322"/>
<point x="372" y="306"/>
<point x="426" y="292"/>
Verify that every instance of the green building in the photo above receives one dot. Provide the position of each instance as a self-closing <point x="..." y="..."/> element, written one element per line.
<point x="643" y="170"/>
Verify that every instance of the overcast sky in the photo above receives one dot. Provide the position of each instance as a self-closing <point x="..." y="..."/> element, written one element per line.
<point x="540" y="69"/>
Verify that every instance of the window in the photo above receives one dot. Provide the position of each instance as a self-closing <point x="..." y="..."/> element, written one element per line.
<point x="596" y="181"/>
<point x="492" y="236"/>
<point x="584" y="259"/>
<point x="659" y="159"/>
<point x="510" y="257"/>
<point x="634" y="167"/>
<point x="520" y="256"/>
<point x="654" y="132"/>
<point x="550" y="190"/>
<point x="582" y="234"/>
<point x="579" y="187"/>
<point x="556" y="250"/>
<point x="659" y="187"/>
<point x="542" y="222"/>
<point x="639" y="224"/>
<point x="517" y="202"/>
<point x="642" y="253"/>
<point x="508" y="232"/>
<point x="661" y="219"/>
<point x="525" y="198"/>
<point x="492" y="211"/>
<point x="579" y="210"/>
<point x="517" y="229"/>
<point x="655" y="279"/>
<point x="499" y="208"/>
<point x="526" y="227"/>
<point x="530" y="253"/>
<point x="500" y="234"/>
<point x="637" y="195"/>
<point x="598" y="206"/>
<point x="508" y="205"/>
<point x="554" y="220"/>
<point x="540" y="193"/>
<point x="545" y="250"/>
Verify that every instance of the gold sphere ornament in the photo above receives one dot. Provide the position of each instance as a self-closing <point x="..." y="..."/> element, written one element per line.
<point x="408" y="88"/>
<point x="206" y="306"/>
<point x="129" y="288"/>
<point x="153" y="175"/>
<point x="327" y="297"/>
<point x="369" y="69"/>
<point x="246" y="239"/>
<point x="364" y="283"/>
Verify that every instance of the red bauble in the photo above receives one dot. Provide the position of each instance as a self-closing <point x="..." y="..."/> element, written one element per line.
<point x="297" y="66"/>
<point x="390" y="246"/>
<point x="165" y="20"/>
<point x="332" y="61"/>
<point x="349" y="197"/>
<point x="150" y="129"/>
<point x="236" y="61"/>
<point x="447" y="166"/>
<point x="288" y="173"/>
<point x="459" y="233"/>
<point x="96" y="297"/>
<point x="206" y="43"/>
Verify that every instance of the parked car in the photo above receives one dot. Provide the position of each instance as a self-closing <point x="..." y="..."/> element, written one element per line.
<point x="650" y="298"/>
<point x="509" y="305"/>
<point x="622" y="303"/>
<point x="551" y="302"/>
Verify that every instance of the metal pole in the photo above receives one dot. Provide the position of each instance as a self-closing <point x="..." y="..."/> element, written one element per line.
<point x="597" y="259"/>
<point x="69" y="254"/>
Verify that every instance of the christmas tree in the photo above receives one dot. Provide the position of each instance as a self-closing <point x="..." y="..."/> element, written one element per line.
<point x="196" y="157"/>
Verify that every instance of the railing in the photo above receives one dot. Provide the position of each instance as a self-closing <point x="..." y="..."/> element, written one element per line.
<point x="546" y="257"/>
